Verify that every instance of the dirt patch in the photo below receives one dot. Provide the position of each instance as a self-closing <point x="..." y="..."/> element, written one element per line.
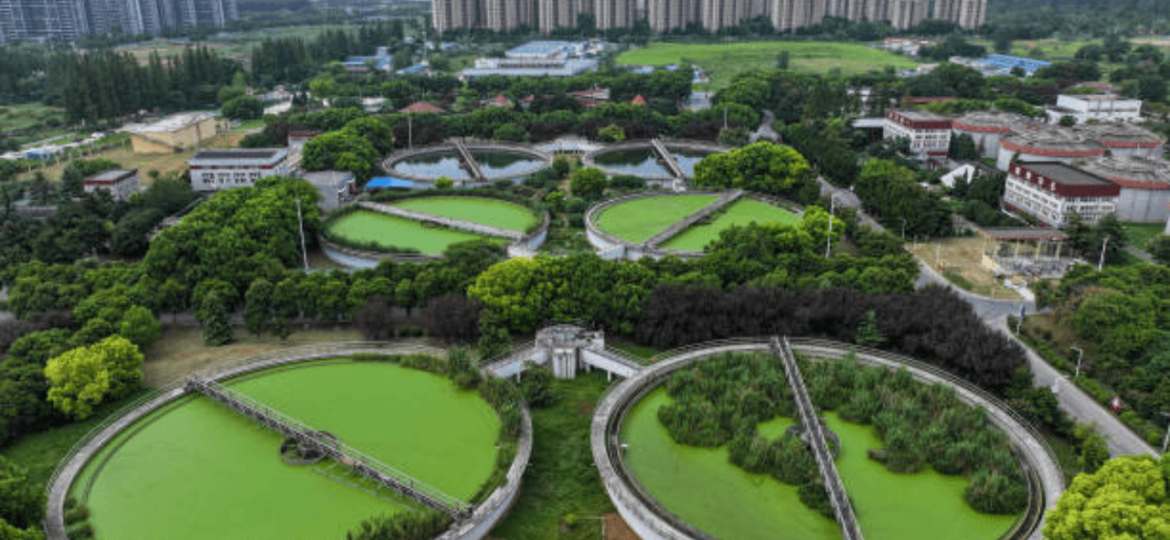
<point x="616" y="528"/>
<point x="181" y="351"/>
<point x="586" y="409"/>
<point x="960" y="260"/>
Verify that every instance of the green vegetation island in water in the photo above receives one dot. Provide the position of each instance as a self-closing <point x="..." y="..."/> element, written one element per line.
<point x="196" y="470"/>
<point x="705" y="478"/>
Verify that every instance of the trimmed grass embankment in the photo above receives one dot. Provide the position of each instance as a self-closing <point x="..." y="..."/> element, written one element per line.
<point x="501" y="214"/>
<point x="364" y="226"/>
<point x="722" y="61"/>
<point x="640" y="219"/>
<point x="741" y="212"/>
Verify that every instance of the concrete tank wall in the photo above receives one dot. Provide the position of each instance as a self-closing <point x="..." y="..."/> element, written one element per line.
<point x="1143" y="205"/>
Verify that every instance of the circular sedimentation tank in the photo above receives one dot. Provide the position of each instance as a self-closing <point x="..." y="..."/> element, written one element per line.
<point x="667" y="490"/>
<point x="497" y="161"/>
<point x="638" y="158"/>
<point x="426" y="230"/>
<point x="659" y="218"/>
<point x="190" y="467"/>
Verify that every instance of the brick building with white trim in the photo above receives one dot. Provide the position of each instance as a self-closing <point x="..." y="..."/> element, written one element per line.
<point x="1052" y="191"/>
<point x="929" y="134"/>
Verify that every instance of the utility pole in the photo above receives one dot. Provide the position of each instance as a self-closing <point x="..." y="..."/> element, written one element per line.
<point x="301" y="225"/>
<point x="1080" y="355"/>
<point x="829" y="237"/>
<point x="1101" y="262"/>
<point x="409" y="131"/>
<point x="1166" y="439"/>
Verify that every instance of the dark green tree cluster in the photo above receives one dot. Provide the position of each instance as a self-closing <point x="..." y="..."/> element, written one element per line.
<point x="924" y="425"/>
<point x="831" y="156"/>
<point x="891" y="193"/>
<point x="1122" y="313"/>
<point x="910" y="323"/>
<point x="296" y="59"/>
<point x="722" y="401"/>
<point x="422" y="525"/>
<point x="762" y="167"/>
<point x="107" y="85"/>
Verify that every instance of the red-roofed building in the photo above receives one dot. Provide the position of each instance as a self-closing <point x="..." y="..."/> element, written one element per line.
<point x="929" y="134"/>
<point x="638" y="101"/>
<point x="419" y="107"/>
<point x="1053" y="191"/>
<point x="499" y="101"/>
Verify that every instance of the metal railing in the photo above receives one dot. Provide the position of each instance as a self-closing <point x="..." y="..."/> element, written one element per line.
<point x="846" y="518"/>
<point x="259" y="361"/>
<point x="342" y="453"/>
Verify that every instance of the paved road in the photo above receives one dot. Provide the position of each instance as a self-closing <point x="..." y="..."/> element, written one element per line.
<point x="765" y="130"/>
<point x="1083" y="408"/>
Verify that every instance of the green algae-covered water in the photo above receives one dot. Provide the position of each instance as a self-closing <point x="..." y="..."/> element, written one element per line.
<point x="890" y="506"/>
<point x="196" y="470"/>
<point x="710" y="493"/>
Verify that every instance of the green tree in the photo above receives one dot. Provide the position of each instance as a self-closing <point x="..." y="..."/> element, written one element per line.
<point x="21" y="504"/>
<point x="258" y="305"/>
<point x="172" y="297"/>
<point x="867" y="333"/>
<point x="82" y="378"/>
<point x="1125" y="498"/>
<point x="510" y="133"/>
<point x="1094" y="452"/>
<point x="404" y="295"/>
<point x="588" y="183"/>
<point x="763" y="167"/>
<point x="243" y="108"/>
<point x="217" y="327"/>
<point x="611" y="133"/>
<point x="140" y="326"/>
<point x="1159" y="248"/>
<point x="734" y="136"/>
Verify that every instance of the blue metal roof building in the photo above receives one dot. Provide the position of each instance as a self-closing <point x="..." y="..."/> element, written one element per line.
<point x="1029" y="65"/>
<point x="388" y="182"/>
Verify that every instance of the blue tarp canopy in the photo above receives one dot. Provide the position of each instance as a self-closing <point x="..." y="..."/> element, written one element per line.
<point x="383" y="182"/>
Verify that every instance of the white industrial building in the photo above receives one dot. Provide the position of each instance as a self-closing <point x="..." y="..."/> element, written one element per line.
<point x="1046" y="143"/>
<point x="986" y="128"/>
<point x="929" y="134"/>
<point x="1144" y="183"/>
<point x="1099" y="107"/>
<point x="213" y="170"/>
<point x="1053" y="191"/>
<point x="120" y="183"/>
<point x="336" y="187"/>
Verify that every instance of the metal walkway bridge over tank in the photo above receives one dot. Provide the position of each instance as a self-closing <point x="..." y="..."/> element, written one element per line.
<point x="331" y="447"/>
<point x="842" y="508"/>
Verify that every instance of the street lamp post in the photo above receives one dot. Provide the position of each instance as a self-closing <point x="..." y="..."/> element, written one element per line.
<point x="903" y="229"/>
<point x="1166" y="439"/>
<point x="829" y="237"/>
<point x="1080" y="355"/>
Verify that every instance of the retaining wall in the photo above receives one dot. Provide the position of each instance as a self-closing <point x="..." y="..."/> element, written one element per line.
<point x="485" y="516"/>
<point x="653" y="522"/>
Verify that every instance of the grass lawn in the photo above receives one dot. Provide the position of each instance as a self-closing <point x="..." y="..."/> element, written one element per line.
<point x="561" y="478"/>
<point x="1139" y="235"/>
<point x="387" y="230"/>
<point x="640" y="219"/>
<point x="181" y="351"/>
<point x="27" y="115"/>
<point x="1042" y="49"/>
<point x="741" y="212"/>
<point x="501" y="214"/>
<point x="40" y="452"/>
<point x="722" y="61"/>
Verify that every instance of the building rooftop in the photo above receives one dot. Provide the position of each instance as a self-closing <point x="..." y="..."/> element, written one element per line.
<point x="245" y="155"/>
<point x="547" y="47"/>
<point x="111" y="176"/>
<point x="1120" y="135"/>
<point x="1097" y="98"/>
<point x="1064" y="174"/>
<point x="421" y="107"/>
<point x="1051" y="140"/>
<point x="1132" y="171"/>
<point x="335" y="179"/>
<point x="915" y="114"/>
<point x="174" y="122"/>
<point x="992" y="122"/>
